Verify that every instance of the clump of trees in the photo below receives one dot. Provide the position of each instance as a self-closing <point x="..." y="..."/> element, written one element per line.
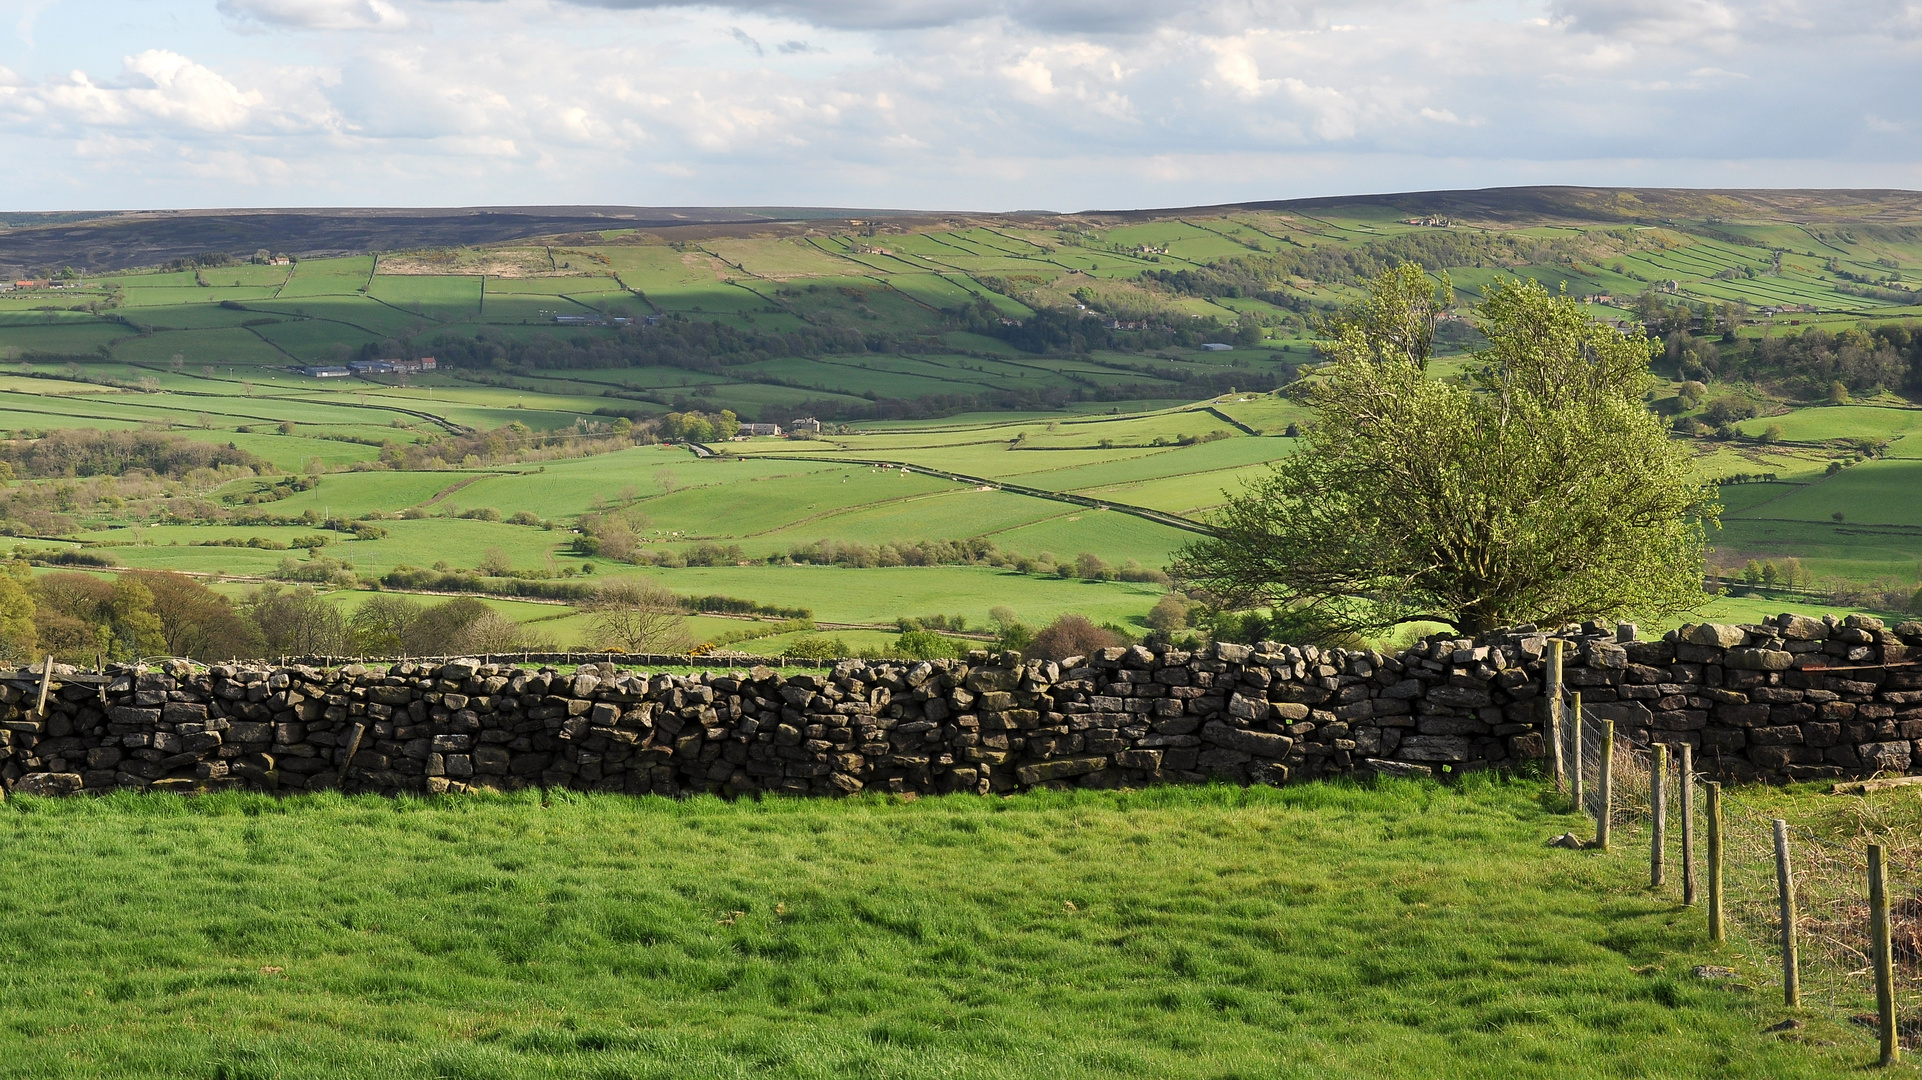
<point x="698" y="426"/>
<point x="81" y="618"/>
<point x="68" y="452"/>
<point x="1811" y="363"/>
<point x="515" y="442"/>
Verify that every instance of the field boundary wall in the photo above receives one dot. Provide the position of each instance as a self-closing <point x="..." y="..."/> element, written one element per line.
<point x="1794" y="698"/>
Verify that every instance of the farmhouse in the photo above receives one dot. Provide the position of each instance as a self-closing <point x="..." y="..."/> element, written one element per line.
<point x="807" y="424"/>
<point x="590" y="320"/>
<point x="392" y="367"/>
<point x="760" y="429"/>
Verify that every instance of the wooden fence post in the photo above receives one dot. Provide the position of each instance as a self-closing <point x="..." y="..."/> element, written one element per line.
<point x="1785" y="886"/>
<point x="1554" y="697"/>
<point x="46" y="680"/>
<point x="1658" y="811"/>
<point x="1575" y="744"/>
<point x="1882" y="953"/>
<point x="1688" y="825"/>
<point x="1605" y="784"/>
<point x="1716" y="931"/>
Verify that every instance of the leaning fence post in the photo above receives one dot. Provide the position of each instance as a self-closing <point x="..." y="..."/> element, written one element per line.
<point x="1575" y="744"/>
<point x="46" y="680"/>
<point x="1554" y="692"/>
<point x="1658" y="811"/>
<point x="1716" y="932"/>
<point x="1605" y="783"/>
<point x="1785" y="885"/>
<point x="1688" y="825"/>
<point x="1884" y="956"/>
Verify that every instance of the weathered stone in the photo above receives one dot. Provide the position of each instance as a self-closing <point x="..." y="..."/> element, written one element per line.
<point x="1258" y="743"/>
<point x="1759" y="659"/>
<point x="1403" y="770"/>
<point x="48" y="784"/>
<point x="1718" y="635"/>
<point x="1886" y="756"/>
<point x="1059" y="769"/>
<point x="1459" y="697"/>
<point x="1434" y="748"/>
<point x="1801" y="628"/>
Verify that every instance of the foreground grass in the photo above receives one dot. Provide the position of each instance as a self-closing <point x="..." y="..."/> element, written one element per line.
<point x="1405" y="930"/>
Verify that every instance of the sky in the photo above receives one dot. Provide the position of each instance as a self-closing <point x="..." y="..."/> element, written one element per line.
<point x="938" y="104"/>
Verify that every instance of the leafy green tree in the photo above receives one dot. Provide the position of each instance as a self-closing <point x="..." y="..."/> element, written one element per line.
<point x="383" y="624"/>
<point x="133" y="630"/>
<point x="1540" y="488"/>
<point x="17" y="634"/>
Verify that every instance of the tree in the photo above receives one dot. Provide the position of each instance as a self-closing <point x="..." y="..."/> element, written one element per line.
<point x="69" y="612"/>
<point x="131" y="627"/>
<point x="637" y="616"/>
<point x="1539" y="489"/>
<point x="17" y="633"/>
<point x="1170" y="614"/>
<point x="194" y="620"/>
<point x="492" y="633"/>
<point x="383" y="624"/>
<point x="441" y="630"/>
<point x="297" y="622"/>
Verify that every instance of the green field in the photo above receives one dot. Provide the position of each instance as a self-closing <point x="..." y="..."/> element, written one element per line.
<point x="922" y="371"/>
<point x="1324" y="930"/>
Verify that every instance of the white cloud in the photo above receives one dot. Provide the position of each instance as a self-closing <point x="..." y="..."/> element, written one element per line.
<point x="319" y="14"/>
<point x="165" y="89"/>
<point x="996" y="103"/>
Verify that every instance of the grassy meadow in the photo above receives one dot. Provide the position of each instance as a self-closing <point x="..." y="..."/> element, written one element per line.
<point x="1325" y="930"/>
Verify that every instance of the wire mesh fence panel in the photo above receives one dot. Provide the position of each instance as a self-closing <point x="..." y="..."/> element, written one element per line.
<point x="1829" y="882"/>
<point x="1828" y="878"/>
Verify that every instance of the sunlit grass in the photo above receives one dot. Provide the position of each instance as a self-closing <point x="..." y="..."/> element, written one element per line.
<point x="1323" y="930"/>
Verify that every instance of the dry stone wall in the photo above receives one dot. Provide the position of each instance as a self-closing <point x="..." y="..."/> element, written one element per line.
<point x="1793" y="698"/>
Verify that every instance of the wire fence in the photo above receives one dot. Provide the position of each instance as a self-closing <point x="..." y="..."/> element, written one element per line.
<point x="1740" y="858"/>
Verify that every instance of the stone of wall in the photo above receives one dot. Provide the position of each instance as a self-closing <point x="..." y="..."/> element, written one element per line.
<point x="1791" y="699"/>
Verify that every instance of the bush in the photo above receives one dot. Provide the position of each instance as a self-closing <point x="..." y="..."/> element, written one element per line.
<point x="482" y="513"/>
<point x="1070" y="635"/>
<point x="816" y="647"/>
<point x="1014" y="637"/>
<point x="1134" y="571"/>
<point x="1089" y="566"/>
<point x="1170" y="614"/>
<point x="927" y="645"/>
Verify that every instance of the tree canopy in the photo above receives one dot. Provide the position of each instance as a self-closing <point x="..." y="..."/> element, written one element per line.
<point x="1536" y="488"/>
